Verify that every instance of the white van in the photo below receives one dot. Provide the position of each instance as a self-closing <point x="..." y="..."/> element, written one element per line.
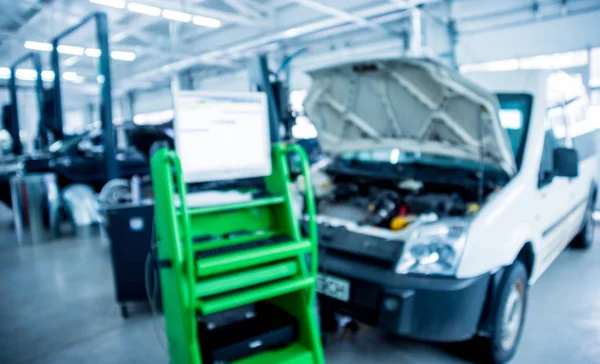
<point x="442" y="202"/>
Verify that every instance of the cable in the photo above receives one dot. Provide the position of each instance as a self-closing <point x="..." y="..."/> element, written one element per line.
<point x="152" y="296"/>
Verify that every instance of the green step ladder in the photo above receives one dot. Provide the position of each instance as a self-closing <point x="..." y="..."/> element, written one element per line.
<point x="196" y="284"/>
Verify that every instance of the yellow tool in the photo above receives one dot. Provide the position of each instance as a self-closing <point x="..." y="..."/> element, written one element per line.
<point x="399" y="223"/>
<point x="473" y="208"/>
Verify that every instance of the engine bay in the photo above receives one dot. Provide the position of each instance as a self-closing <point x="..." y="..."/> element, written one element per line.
<point x="396" y="204"/>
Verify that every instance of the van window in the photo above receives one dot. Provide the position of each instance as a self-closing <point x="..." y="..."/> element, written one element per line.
<point x="546" y="173"/>
<point x="515" y="111"/>
<point x="567" y="105"/>
<point x="556" y="121"/>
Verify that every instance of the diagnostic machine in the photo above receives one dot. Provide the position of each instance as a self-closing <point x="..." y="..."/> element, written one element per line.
<point x="237" y="286"/>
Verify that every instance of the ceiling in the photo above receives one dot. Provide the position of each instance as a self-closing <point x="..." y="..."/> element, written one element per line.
<point x="165" y="47"/>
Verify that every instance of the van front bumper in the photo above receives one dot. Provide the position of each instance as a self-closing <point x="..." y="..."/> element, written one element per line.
<point x="438" y="309"/>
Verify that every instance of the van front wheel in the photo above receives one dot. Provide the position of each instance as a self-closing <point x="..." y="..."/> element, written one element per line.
<point x="508" y="316"/>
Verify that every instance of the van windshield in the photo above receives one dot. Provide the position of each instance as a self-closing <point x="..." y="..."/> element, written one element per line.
<point x="515" y="112"/>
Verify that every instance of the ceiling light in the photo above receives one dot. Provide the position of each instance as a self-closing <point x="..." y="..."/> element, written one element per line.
<point x="48" y="75"/>
<point x="177" y="16"/>
<point x="123" y="56"/>
<point x="73" y="50"/>
<point x="144" y="9"/>
<point x="69" y="76"/>
<point x="93" y="52"/>
<point x="4" y="73"/>
<point x="291" y="33"/>
<point x="73" y="77"/>
<point x="26" y="74"/>
<point x="207" y="22"/>
<point x="119" y="4"/>
<point x="71" y="61"/>
<point x="154" y="118"/>
<point x="38" y="46"/>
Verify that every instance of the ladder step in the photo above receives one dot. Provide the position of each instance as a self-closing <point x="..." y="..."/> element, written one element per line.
<point x="259" y="202"/>
<point x="292" y="354"/>
<point x="246" y="258"/>
<point x="261" y="293"/>
<point x="230" y="282"/>
<point x="214" y="243"/>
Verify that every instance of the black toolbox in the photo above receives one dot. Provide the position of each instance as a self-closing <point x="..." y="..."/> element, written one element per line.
<point x="245" y="331"/>
<point x="130" y="229"/>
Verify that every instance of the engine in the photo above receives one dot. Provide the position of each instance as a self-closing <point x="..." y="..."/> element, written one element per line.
<point x="392" y="208"/>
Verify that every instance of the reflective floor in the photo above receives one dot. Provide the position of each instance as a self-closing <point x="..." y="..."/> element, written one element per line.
<point x="57" y="306"/>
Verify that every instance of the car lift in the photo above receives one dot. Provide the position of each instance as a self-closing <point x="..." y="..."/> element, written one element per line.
<point x="14" y="127"/>
<point x="266" y="263"/>
<point x="101" y="27"/>
<point x="52" y="130"/>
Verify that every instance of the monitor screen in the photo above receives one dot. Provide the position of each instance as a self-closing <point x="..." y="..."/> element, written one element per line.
<point x="221" y="136"/>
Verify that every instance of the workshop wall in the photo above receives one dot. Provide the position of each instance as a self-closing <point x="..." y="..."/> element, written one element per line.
<point x="152" y="101"/>
<point x="504" y="41"/>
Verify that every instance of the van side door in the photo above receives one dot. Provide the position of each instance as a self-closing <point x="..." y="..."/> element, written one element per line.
<point x="555" y="193"/>
<point x="554" y="203"/>
<point x="583" y="137"/>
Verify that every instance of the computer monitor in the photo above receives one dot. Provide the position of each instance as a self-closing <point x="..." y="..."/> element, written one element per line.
<point x="222" y="136"/>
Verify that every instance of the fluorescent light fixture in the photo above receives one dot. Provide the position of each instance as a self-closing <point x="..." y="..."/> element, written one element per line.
<point x="69" y="76"/>
<point x="177" y="16"/>
<point x="4" y="73"/>
<point x="73" y="77"/>
<point x="71" y="61"/>
<point x="144" y="9"/>
<point x="206" y="22"/>
<point x="154" y="118"/>
<point x="38" y="46"/>
<point x="48" y="75"/>
<point x="93" y="52"/>
<point x="72" y="50"/>
<point x="291" y="33"/>
<point x="80" y="51"/>
<point x="119" y="4"/>
<point x="123" y="56"/>
<point x="26" y="74"/>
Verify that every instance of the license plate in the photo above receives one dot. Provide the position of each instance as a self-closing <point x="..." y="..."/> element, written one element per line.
<point x="333" y="287"/>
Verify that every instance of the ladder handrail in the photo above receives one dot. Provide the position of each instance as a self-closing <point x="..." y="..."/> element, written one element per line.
<point x="310" y="203"/>
<point x="190" y="266"/>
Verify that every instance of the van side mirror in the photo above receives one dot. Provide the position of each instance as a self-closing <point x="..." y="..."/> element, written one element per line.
<point x="566" y="162"/>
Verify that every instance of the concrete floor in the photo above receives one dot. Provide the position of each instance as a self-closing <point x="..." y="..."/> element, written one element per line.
<point x="57" y="306"/>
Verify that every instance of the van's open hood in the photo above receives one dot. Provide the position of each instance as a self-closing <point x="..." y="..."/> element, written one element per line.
<point x="411" y="104"/>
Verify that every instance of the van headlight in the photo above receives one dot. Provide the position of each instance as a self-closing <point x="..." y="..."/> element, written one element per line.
<point x="434" y="248"/>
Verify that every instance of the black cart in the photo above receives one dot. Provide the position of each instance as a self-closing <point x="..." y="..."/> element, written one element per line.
<point x="130" y="229"/>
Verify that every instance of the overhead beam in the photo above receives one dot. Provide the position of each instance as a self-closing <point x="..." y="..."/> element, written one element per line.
<point x="10" y="14"/>
<point x="265" y="8"/>
<point x="34" y="27"/>
<point x="344" y="15"/>
<point x="168" y="69"/>
<point x="133" y="28"/>
<point x="243" y="8"/>
<point x="208" y="12"/>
